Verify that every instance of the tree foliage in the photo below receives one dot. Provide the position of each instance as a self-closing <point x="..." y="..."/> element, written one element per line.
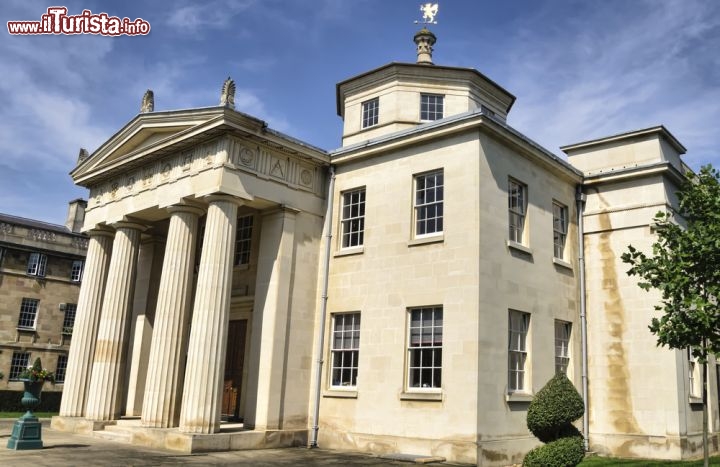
<point x="685" y="268"/>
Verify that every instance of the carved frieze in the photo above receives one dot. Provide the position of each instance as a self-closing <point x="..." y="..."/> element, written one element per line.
<point x="41" y="235"/>
<point x="166" y="167"/>
<point x="154" y="173"/>
<point x="271" y="164"/>
<point x="79" y="242"/>
<point x="6" y="228"/>
<point x="264" y="162"/>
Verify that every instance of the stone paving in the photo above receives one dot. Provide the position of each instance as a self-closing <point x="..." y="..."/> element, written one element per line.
<point x="65" y="449"/>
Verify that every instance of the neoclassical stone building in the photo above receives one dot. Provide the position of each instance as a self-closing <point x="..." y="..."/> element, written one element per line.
<point x="408" y="292"/>
<point x="41" y="269"/>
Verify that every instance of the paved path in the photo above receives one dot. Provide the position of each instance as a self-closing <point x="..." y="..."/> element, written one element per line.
<point x="64" y="449"/>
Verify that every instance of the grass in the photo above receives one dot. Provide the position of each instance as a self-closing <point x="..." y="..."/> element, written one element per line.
<point x="612" y="461"/>
<point x="20" y="414"/>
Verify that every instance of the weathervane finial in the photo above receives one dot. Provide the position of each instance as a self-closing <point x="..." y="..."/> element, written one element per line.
<point x="429" y="11"/>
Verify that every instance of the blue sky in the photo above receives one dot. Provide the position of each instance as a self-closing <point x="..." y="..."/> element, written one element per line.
<point x="580" y="69"/>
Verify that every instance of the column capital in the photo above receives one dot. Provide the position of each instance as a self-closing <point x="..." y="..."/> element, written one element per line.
<point x="100" y="231"/>
<point x="223" y="197"/>
<point x="129" y="224"/>
<point x="186" y="207"/>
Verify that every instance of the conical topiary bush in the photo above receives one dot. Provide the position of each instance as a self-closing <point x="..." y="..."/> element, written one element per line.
<point x="550" y="418"/>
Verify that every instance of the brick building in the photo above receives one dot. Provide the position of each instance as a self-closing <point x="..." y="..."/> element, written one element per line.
<point x="41" y="267"/>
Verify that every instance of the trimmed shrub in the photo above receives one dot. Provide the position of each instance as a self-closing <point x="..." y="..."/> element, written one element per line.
<point x="564" y="452"/>
<point x="550" y="418"/>
<point x="554" y="408"/>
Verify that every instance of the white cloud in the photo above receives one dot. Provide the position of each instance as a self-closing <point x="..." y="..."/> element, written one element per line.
<point x="609" y="71"/>
<point x="218" y="14"/>
<point x="45" y="111"/>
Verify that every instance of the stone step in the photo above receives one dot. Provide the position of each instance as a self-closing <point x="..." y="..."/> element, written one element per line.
<point x="112" y="433"/>
<point x="129" y="422"/>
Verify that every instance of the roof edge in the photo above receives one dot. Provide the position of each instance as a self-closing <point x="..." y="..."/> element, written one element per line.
<point x="657" y="129"/>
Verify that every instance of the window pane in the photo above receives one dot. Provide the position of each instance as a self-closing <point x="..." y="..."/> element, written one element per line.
<point x="18" y="364"/>
<point x="518" y="325"/>
<point x="243" y="239"/>
<point x="76" y="272"/>
<point x="429" y="203"/>
<point x="345" y="349"/>
<point x="370" y="110"/>
<point x="559" y="229"/>
<point x="425" y="347"/>
<point x="28" y="313"/>
<point x="69" y="319"/>
<point x="61" y="368"/>
<point x="431" y="107"/>
<point x="516" y="208"/>
<point x="353" y="218"/>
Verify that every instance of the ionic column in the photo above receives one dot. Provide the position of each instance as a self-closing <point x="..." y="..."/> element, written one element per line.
<point x="265" y="393"/>
<point x="106" y="388"/>
<point x="161" y="405"/>
<point x="202" y="390"/>
<point x="82" y="346"/>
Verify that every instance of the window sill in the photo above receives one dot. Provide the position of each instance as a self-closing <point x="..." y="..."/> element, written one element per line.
<point x="519" y="397"/>
<point x="695" y="400"/>
<point x="357" y="250"/>
<point x="341" y="393"/>
<point x="24" y="329"/>
<point x="439" y="238"/>
<point x="562" y="263"/>
<point x="421" y="396"/>
<point x="241" y="267"/>
<point x="519" y="247"/>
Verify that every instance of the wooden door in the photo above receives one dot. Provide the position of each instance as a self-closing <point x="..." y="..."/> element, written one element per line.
<point x="234" y="359"/>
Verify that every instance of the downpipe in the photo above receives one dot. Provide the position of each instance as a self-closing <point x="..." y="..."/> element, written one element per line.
<point x="580" y="198"/>
<point x="323" y="310"/>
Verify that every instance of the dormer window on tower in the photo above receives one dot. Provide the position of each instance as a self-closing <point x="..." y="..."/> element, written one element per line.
<point x="370" y="110"/>
<point x="431" y="107"/>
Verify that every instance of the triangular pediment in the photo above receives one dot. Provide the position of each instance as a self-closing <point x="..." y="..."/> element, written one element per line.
<point x="154" y="134"/>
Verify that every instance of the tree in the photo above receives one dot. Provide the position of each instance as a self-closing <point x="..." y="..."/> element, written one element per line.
<point x="684" y="268"/>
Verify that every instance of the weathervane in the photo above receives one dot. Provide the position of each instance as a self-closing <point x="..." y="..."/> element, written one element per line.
<point x="429" y="10"/>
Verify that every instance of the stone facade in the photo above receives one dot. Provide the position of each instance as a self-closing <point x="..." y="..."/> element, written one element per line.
<point x="46" y="326"/>
<point x="455" y="253"/>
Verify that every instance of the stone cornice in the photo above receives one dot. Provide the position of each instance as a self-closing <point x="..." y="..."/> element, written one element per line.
<point x="453" y="125"/>
<point x="412" y="71"/>
<point x="187" y="128"/>
<point x="627" y="173"/>
<point x="659" y="130"/>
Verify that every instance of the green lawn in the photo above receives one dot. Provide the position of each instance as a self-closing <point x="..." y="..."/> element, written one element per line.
<point x="20" y="414"/>
<point x="609" y="461"/>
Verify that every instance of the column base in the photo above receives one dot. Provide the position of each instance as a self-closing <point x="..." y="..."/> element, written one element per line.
<point x="78" y="425"/>
<point x="231" y="437"/>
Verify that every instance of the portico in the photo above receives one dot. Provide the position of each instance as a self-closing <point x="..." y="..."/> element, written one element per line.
<point x="203" y="224"/>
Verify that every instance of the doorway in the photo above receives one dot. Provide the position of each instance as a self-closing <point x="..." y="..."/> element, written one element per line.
<point x="234" y="360"/>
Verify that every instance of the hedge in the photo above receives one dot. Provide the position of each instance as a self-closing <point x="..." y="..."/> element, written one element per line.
<point x="10" y="401"/>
